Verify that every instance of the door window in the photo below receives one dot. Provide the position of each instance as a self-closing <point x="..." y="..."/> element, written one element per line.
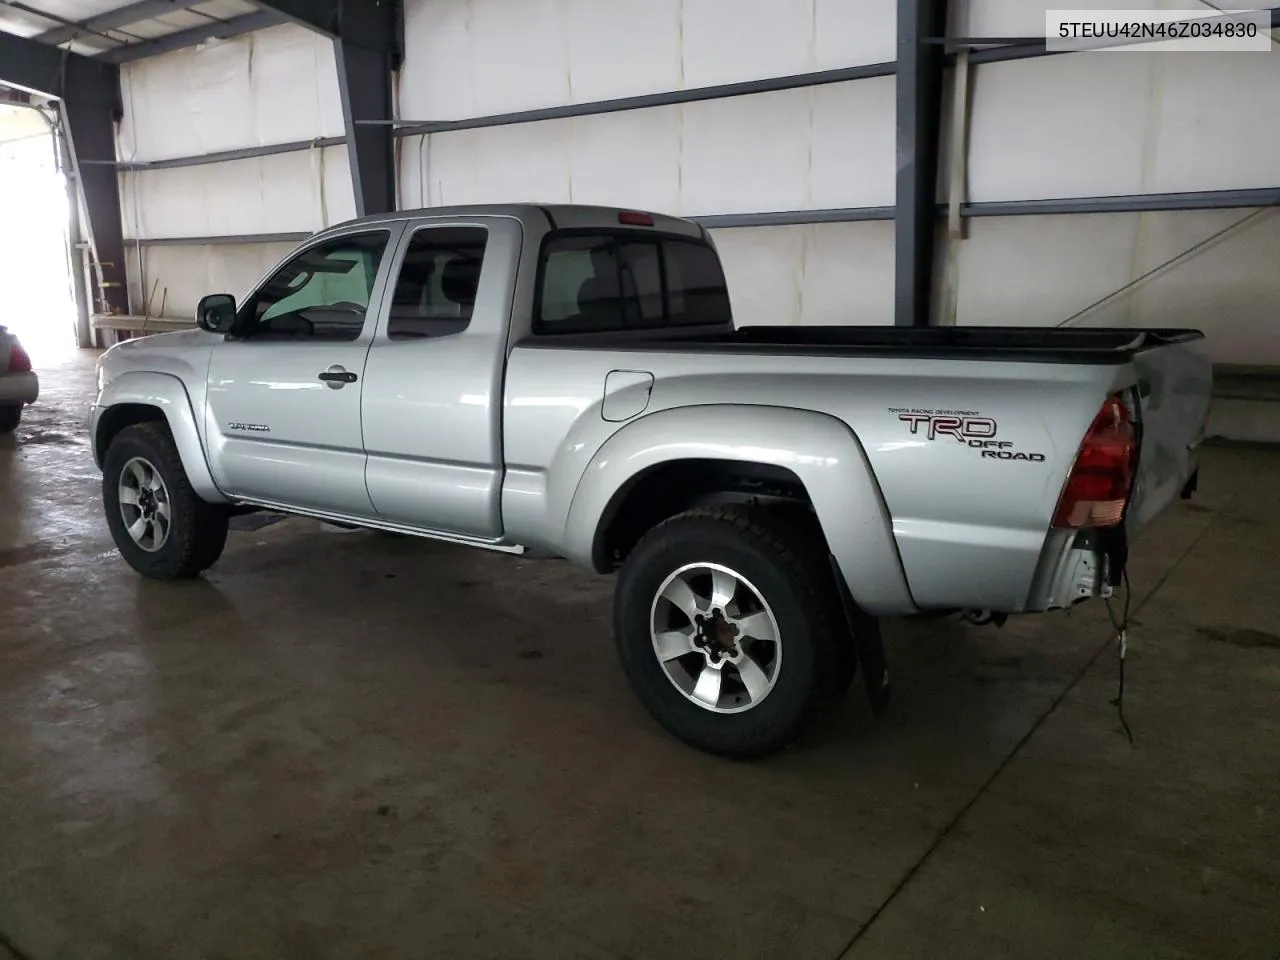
<point x="323" y="293"/>
<point x="438" y="283"/>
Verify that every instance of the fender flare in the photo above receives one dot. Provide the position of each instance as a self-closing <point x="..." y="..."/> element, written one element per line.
<point x="820" y="449"/>
<point x="167" y="394"/>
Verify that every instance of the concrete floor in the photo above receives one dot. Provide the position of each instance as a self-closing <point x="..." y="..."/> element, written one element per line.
<point x="353" y="745"/>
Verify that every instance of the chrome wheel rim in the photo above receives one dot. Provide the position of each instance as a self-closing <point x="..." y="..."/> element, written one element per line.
<point x="144" y="504"/>
<point x="715" y="637"/>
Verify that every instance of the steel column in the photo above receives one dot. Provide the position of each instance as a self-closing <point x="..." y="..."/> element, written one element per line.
<point x="368" y="40"/>
<point x="919" y="103"/>
<point x="365" y="78"/>
<point x="88" y="117"/>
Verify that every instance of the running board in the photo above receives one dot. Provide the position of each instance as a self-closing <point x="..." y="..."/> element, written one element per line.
<point x="500" y="546"/>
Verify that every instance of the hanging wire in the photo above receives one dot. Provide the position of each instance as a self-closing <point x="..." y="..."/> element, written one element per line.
<point x="1190" y="251"/>
<point x="1122" y="637"/>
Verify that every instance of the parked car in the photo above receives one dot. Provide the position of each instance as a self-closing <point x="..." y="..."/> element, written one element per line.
<point x="569" y="380"/>
<point x="19" y="384"/>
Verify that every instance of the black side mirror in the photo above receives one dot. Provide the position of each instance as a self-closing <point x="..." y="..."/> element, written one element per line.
<point x="216" y="313"/>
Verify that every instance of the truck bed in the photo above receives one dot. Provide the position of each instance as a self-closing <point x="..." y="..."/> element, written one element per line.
<point x="1097" y="345"/>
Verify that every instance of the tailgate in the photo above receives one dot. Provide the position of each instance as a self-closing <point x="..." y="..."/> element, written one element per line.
<point x="1174" y="384"/>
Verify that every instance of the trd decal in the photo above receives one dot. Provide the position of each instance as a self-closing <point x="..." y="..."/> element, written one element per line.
<point x="251" y="427"/>
<point x="963" y="426"/>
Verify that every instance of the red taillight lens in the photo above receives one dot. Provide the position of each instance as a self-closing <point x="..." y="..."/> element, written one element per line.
<point x="19" y="362"/>
<point x="1102" y="476"/>
<point x="635" y="218"/>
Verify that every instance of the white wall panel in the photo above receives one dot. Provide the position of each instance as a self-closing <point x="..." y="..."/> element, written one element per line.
<point x="628" y="159"/>
<point x="275" y="194"/>
<point x="182" y="275"/>
<point x="1231" y="290"/>
<point x="747" y="153"/>
<point x="1041" y="270"/>
<point x="829" y="146"/>
<point x="828" y="273"/>
<point x="1064" y="126"/>
<point x="1038" y="271"/>
<point x="273" y="86"/>
<point x="468" y="58"/>
<point x="1116" y="123"/>
<point x="1218" y="122"/>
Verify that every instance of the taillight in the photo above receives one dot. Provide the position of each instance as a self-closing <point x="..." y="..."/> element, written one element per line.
<point x="1102" y="476"/>
<point x="19" y="362"/>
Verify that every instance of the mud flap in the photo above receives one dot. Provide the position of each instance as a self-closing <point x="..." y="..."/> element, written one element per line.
<point x="868" y="644"/>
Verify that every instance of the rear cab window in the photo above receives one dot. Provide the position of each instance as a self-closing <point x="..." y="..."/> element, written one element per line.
<point x="596" y="281"/>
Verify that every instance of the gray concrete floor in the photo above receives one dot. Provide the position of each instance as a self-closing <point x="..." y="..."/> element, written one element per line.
<point x="353" y="745"/>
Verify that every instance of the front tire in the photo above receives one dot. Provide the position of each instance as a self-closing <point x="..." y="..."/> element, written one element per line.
<point x="158" y="522"/>
<point x="730" y="629"/>
<point x="10" y="416"/>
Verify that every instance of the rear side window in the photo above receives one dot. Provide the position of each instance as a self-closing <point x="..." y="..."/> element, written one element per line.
<point x="439" y="278"/>
<point x="598" y="282"/>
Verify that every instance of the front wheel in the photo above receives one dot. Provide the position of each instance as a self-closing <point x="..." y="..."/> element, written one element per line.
<point x="730" y="629"/>
<point x="158" y="522"/>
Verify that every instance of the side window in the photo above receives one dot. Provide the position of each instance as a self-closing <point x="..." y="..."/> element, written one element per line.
<point x="696" y="288"/>
<point x="594" y="283"/>
<point x="439" y="279"/>
<point x="323" y="293"/>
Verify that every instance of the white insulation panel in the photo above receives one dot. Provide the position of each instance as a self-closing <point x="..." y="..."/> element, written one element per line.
<point x="272" y="86"/>
<point x="1098" y="124"/>
<point x="1040" y="271"/>
<point x="181" y="275"/>
<point x="470" y="58"/>
<point x="825" y="273"/>
<point x="282" y="193"/>
<point x="828" y="146"/>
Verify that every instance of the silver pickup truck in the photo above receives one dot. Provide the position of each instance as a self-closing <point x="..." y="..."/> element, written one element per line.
<point x="568" y="380"/>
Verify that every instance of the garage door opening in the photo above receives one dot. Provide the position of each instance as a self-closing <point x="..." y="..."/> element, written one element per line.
<point x="37" y="301"/>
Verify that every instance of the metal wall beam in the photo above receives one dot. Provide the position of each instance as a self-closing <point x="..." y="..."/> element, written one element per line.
<point x="240" y="153"/>
<point x="40" y="68"/>
<point x="413" y="128"/>
<point x="1130" y="203"/>
<point x="919" y="102"/>
<point x="220" y="241"/>
<point x="787" y="218"/>
<point x="222" y="30"/>
<point x="122" y="17"/>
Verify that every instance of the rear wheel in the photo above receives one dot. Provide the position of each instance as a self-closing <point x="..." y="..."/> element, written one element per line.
<point x="730" y="629"/>
<point x="159" y="524"/>
<point x="10" y="417"/>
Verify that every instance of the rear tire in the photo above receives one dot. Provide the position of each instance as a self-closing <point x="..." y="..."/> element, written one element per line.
<point x="776" y="576"/>
<point x="176" y="535"/>
<point x="9" y="418"/>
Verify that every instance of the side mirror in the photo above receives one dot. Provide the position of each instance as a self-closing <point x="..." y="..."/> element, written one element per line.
<point x="216" y="313"/>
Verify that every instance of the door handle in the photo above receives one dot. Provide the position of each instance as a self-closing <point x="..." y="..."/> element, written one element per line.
<point x="336" y="377"/>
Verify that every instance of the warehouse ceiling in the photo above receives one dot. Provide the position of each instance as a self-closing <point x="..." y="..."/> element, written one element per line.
<point x="119" y="30"/>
